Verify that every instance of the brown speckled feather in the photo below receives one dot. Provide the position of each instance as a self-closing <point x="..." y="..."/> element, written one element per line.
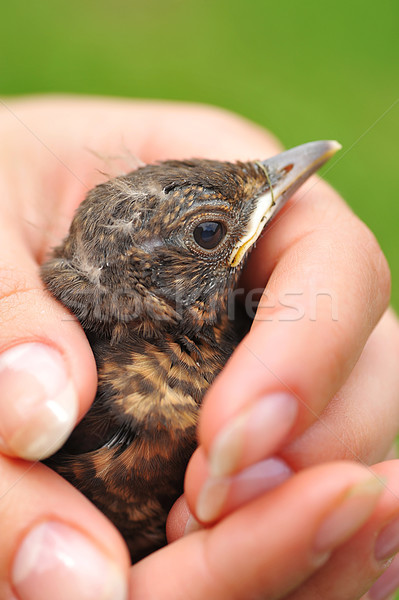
<point x="146" y="408"/>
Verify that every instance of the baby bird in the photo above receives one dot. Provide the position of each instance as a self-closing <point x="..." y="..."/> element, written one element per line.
<point x="148" y="269"/>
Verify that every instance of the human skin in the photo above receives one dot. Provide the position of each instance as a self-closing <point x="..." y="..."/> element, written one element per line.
<point x="339" y="373"/>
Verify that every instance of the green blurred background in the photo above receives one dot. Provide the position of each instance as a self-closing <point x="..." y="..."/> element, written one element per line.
<point x="306" y="70"/>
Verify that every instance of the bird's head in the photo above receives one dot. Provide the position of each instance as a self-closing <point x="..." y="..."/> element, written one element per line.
<point x="164" y="244"/>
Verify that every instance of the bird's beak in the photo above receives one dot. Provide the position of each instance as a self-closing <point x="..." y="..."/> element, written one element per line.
<point x="284" y="173"/>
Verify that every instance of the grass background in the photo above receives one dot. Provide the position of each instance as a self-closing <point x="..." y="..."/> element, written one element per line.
<point x="304" y="69"/>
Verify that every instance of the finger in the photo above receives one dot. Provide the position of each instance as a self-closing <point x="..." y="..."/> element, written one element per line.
<point x="263" y="549"/>
<point x="355" y="565"/>
<point x="99" y="129"/>
<point x="212" y="498"/>
<point x="178" y="518"/>
<point x="47" y="371"/>
<point x="55" y="544"/>
<point x="362" y="420"/>
<point x="359" y="423"/>
<point x="291" y="364"/>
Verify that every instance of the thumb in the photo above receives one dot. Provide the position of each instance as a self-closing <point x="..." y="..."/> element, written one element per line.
<point x="47" y="370"/>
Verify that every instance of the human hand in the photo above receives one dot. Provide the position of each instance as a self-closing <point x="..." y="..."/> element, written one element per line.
<point x="45" y="172"/>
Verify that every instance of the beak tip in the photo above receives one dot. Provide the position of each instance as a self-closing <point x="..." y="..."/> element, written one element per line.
<point x="311" y="156"/>
<point x="302" y="162"/>
<point x="334" y="146"/>
<point x="321" y="150"/>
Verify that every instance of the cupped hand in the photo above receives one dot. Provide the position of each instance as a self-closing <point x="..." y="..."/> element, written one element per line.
<point x="314" y="381"/>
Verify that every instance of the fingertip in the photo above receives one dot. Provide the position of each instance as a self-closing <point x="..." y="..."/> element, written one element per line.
<point x="177" y="521"/>
<point x="55" y="543"/>
<point x="209" y="498"/>
<point x="50" y="375"/>
<point x="56" y="560"/>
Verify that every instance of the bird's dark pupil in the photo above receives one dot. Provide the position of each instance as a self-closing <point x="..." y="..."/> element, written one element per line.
<point x="209" y="234"/>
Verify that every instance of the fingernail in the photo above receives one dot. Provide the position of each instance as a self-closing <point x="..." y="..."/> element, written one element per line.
<point x="258" y="479"/>
<point x="38" y="402"/>
<point x="387" y="543"/>
<point x="57" y="561"/>
<point x="212" y="498"/>
<point x="253" y="434"/>
<point x="385" y="587"/>
<point x="353" y="511"/>
<point x="228" y="493"/>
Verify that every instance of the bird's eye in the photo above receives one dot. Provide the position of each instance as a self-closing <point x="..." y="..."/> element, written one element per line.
<point x="209" y="234"/>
